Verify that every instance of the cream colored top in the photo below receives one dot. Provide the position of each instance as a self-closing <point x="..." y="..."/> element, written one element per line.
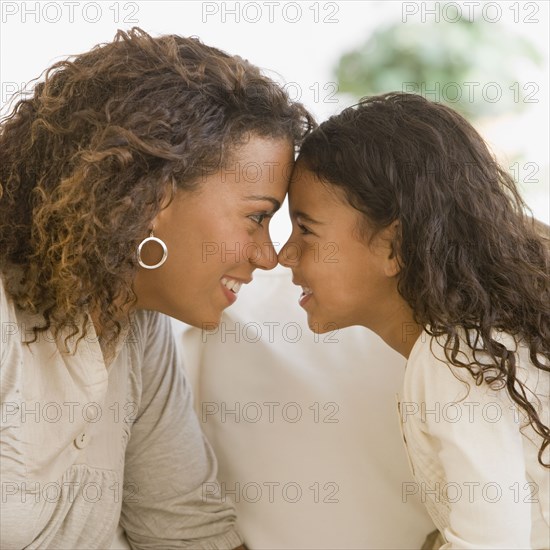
<point x="84" y="444"/>
<point x="474" y="460"/>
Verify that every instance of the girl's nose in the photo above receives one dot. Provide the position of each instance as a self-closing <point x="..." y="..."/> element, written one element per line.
<point x="289" y="254"/>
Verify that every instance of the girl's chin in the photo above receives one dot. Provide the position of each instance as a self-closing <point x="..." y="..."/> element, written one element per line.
<point x="322" y="326"/>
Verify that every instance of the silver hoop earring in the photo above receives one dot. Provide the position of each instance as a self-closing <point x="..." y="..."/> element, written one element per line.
<point x="150" y="238"/>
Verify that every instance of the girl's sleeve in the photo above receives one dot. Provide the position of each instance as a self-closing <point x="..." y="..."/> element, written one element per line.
<point x="171" y="496"/>
<point x="478" y="445"/>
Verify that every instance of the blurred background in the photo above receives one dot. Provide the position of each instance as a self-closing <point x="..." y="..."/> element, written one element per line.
<point x="488" y="60"/>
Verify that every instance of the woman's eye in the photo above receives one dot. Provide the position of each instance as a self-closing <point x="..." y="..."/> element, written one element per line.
<point x="259" y="218"/>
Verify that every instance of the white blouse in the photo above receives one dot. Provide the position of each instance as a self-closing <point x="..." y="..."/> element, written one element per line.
<point x="84" y="445"/>
<point x="474" y="461"/>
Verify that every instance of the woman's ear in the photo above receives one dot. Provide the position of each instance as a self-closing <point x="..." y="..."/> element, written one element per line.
<point x="170" y="196"/>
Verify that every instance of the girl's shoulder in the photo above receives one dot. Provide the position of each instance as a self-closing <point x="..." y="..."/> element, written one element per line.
<point x="437" y="369"/>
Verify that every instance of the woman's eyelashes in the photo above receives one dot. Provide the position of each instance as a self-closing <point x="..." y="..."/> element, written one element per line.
<point x="259" y="218"/>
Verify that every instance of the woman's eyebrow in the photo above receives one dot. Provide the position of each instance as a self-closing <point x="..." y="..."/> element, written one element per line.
<point x="305" y="217"/>
<point x="273" y="200"/>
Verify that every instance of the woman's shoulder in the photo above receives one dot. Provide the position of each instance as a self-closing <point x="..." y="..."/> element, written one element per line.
<point x="151" y="330"/>
<point x="4" y="308"/>
<point x="8" y="318"/>
<point x="10" y="347"/>
<point x="151" y="322"/>
<point x="12" y="279"/>
<point x="6" y="302"/>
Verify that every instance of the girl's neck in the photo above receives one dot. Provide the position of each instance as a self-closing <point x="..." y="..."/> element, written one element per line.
<point x="398" y="328"/>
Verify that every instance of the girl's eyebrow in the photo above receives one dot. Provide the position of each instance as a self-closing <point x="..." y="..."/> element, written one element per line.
<point x="272" y="200"/>
<point x="305" y="217"/>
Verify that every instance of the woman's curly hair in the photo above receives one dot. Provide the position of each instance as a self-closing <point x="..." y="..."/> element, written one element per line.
<point x="470" y="257"/>
<point x="87" y="160"/>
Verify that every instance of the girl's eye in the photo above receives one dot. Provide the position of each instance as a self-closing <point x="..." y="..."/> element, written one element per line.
<point x="303" y="229"/>
<point x="259" y="218"/>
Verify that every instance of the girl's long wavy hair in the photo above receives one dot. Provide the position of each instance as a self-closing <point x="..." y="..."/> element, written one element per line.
<point x="470" y="257"/>
<point x="87" y="160"/>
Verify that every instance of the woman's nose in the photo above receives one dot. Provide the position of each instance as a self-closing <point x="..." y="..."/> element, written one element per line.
<point x="264" y="257"/>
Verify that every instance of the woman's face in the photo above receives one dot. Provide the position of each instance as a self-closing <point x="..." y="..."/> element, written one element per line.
<point x="345" y="281"/>
<point x="216" y="236"/>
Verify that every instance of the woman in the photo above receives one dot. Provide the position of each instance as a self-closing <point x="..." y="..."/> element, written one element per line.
<point x="404" y="223"/>
<point x="137" y="181"/>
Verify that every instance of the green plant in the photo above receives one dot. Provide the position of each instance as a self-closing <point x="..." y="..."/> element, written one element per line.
<point x="470" y="66"/>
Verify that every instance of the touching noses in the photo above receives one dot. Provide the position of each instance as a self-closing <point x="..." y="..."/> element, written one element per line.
<point x="263" y="257"/>
<point x="289" y="255"/>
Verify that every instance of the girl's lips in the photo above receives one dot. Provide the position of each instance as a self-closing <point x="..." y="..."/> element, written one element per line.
<point x="304" y="299"/>
<point x="231" y="296"/>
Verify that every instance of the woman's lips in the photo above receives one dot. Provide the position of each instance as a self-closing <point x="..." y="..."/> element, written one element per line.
<point x="231" y="286"/>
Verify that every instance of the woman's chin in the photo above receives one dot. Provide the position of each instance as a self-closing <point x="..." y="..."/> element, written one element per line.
<point x="207" y="320"/>
<point x="208" y="323"/>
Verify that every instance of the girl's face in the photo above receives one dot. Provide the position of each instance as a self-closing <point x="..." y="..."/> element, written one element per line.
<point x="217" y="236"/>
<point x="345" y="281"/>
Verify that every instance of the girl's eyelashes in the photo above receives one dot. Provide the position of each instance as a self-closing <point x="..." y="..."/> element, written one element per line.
<point x="303" y="229"/>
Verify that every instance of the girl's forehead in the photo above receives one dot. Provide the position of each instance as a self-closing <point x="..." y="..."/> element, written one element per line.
<point x="305" y="185"/>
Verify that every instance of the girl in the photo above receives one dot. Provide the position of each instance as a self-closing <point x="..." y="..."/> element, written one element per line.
<point x="435" y="254"/>
<point x="127" y="193"/>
